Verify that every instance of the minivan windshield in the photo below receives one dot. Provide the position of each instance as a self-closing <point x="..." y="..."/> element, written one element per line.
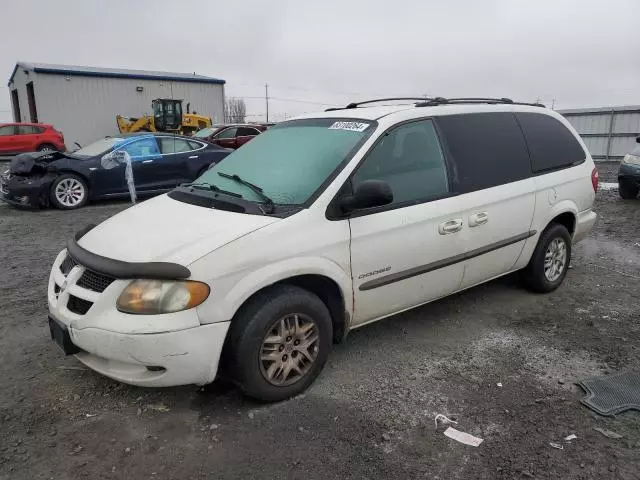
<point x="291" y="160"/>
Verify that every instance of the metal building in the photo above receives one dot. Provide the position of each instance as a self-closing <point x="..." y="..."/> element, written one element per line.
<point x="609" y="132"/>
<point x="83" y="102"/>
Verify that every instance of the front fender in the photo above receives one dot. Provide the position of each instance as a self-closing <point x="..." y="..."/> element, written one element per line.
<point x="230" y="293"/>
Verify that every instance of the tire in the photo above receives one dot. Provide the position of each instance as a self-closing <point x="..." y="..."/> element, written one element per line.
<point x="260" y="319"/>
<point x="47" y="147"/>
<point x="63" y="190"/>
<point x="536" y="276"/>
<point x="626" y="190"/>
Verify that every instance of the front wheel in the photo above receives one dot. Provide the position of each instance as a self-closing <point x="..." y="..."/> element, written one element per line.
<point x="69" y="191"/>
<point x="550" y="260"/>
<point x="279" y="343"/>
<point x="627" y="190"/>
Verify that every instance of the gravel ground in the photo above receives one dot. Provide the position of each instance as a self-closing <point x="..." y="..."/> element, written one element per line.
<point x="371" y="413"/>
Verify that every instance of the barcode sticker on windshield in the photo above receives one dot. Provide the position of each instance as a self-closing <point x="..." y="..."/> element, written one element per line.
<point x="353" y="126"/>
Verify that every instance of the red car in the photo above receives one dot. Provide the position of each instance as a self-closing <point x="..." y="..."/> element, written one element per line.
<point x="230" y="136"/>
<point x="29" y="137"/>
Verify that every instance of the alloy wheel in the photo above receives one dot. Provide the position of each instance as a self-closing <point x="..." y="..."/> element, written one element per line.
<point x="555" y="259"/>
<point x="70" y="192"/>
<point x="289" y="349"/>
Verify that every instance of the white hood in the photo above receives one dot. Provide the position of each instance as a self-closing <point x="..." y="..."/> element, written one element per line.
<point x="163" y="229"/>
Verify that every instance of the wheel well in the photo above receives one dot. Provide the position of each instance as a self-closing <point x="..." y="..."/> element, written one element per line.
<point x="76" y="174"/>
<point x="328" y="291"/>
<point x="567" y="219"/>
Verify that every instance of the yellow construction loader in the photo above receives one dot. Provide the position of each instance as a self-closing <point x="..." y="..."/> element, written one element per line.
<point x="167" y="117"/>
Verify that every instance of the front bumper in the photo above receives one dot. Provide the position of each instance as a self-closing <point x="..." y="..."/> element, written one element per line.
<point x="144" y="350"/>
<point x="29" y="192"/>
<point x="629" y="173"/>
<point x="153" y="360"/>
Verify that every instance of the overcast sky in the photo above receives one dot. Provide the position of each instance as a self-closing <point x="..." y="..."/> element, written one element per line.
<point x="580" y="53"/>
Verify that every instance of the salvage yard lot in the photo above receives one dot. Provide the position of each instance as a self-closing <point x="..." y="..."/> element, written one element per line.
<point x="371" y="412"/>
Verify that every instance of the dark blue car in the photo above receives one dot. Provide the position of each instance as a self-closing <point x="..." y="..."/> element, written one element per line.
<point x="159" y="162"/>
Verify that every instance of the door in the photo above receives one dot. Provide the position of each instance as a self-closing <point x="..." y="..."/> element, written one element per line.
<point x="494" y="181"/>
<point x="8" y="138"/>
<point x="244" y="134"/>
<point x="226" y="138"/>
<point x="406" y="253"/>
<point x="143" y="152"/>
<point x="173" y="168"/>
<point x="29" y="137"/>
<point x="31" y="98"/>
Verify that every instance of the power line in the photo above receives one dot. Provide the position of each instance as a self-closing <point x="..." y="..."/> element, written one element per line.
<point x="296" y="100"/>
<point x="315" y="90"/>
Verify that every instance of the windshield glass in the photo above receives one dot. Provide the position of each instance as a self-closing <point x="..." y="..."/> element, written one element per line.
<point x="98" y="147"/>
<point x="292" y="160"/>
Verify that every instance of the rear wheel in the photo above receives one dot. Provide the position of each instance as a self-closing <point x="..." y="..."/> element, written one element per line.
<point x="627" y="190"/>
<point x="47" y="147"/>
<point x="550" y="260"/>
<point x="279" y="343"/>
<point x="69" y="191"/>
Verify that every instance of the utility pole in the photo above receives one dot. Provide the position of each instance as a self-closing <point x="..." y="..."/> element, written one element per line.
<point x="266" y="98"/>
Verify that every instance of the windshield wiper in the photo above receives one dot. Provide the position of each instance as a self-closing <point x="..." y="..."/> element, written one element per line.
<point x="266" y="199"/>
<point x="211" y="187"/>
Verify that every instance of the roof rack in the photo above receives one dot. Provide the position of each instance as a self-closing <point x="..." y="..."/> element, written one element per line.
<point x="492" y="101"/>
<point x="357" y="104"/>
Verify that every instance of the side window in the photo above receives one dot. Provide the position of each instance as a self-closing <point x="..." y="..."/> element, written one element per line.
<point x="27" y="130"/>
<point x="195" y="145"/>
<point x="246" y="131"/>
<point x="227" y="133"/>
<point x="487" y="148"/>
<point x="410" y="160"/>
<point x="551" y="144"/>
<point x="7" y="130"/>
<point x="174" y="145"/>
<point x="142" y="149"/>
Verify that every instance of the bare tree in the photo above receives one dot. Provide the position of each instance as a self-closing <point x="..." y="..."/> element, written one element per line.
<point x="235" y="110"/>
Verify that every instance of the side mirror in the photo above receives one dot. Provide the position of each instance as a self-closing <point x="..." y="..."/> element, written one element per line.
<point x="114" y="159"/>
<point x="368" y="194"/>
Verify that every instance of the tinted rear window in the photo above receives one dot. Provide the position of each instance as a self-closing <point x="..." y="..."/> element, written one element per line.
<point x="551" y="144"/>
<point x="488" y="149"/>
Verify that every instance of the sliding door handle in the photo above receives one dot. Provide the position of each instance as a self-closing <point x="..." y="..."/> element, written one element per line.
<point x="450" y="226"/>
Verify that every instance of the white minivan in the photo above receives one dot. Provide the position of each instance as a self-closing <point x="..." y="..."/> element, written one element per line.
<point x="320" y="225"/>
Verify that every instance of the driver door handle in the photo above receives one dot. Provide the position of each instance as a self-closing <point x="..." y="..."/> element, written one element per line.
<point x="450" y="226"/>
<point x="147" y="161"/>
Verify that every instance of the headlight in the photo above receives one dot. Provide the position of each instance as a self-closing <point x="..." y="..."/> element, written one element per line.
<point x="631" y="159"/>
<point x="149" y="297"/>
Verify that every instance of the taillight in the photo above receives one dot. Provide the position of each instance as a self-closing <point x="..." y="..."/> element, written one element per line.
<point x="595" y="176"/>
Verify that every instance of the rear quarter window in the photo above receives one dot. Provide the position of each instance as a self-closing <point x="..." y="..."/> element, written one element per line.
<point x="551" y="145"/>
<point x="488" y="149"/>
